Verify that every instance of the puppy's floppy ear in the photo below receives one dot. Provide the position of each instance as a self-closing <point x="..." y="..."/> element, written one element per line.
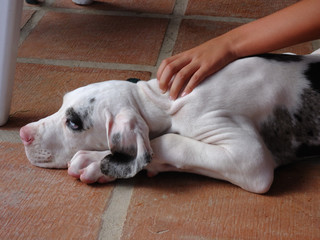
<point x="128" y="139"/>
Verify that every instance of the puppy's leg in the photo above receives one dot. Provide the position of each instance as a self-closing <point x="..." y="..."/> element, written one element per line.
<point x="85" y="165"/>
<point x="242" y="160"/>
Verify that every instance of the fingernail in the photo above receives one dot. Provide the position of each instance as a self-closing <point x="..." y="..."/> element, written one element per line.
<point x="184" y="94"/>
<point x="171" y="98"/>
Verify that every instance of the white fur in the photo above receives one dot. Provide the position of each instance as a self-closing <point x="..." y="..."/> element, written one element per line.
<point x="212" y="131"/>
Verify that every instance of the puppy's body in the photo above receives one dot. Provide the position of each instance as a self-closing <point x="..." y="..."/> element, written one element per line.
<point x="224" y="129"/>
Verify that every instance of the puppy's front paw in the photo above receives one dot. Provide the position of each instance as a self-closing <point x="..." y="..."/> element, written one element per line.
<point x="85" y="165"/>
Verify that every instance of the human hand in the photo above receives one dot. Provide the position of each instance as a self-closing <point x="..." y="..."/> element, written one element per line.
<point x="183" y="72"/>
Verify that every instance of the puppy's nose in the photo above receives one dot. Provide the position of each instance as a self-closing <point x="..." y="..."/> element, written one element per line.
<point x="26" y="135"/>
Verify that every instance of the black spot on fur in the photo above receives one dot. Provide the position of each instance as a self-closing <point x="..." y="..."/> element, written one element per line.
<point x="118" y="165"/>
<point x="298" y="117"/>
<point x="117" y="146"/>
<point x="116" y="139"/>
<point x="147" y="157"/>
<point x="292" y="137"/>
<point x="305" y="150"/>
<point x="133" y="80"/>
<point x="80" y="119"/>
<point x="310" y="133"/>
<point x="123" y="165"/>
<point x="281" y="57"/>
<point x="313" y="75"/>
<point x="92" y="100"/>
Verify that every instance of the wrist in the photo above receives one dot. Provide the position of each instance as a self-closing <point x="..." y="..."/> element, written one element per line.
<point x="235" y="42"/>
<point x="228" y="42"/>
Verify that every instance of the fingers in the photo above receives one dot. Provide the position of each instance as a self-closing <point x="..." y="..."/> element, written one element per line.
<point x="175" y="72"/>
<point x="182" y="73"/>
<point x="196" y="79"/>
<point x="181" y="76"/>
<point x="163" y="65"/>
<point x="168" y="69"/>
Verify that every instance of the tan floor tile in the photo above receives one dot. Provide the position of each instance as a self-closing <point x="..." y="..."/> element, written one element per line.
<point x="236" y="8"/>
<point x="194" y="32"/>
<point x="40" y="203"/>
<point x="95" y="38"/>
<point x="39" y="89"/>
<point x="183" y="206"/>
<point x="160" y="6"/>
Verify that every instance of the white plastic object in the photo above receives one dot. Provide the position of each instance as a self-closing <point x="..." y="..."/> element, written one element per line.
<point x="10" y="17"/>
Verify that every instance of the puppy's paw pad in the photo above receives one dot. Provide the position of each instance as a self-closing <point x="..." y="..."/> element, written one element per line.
<point x="92" y="174"/>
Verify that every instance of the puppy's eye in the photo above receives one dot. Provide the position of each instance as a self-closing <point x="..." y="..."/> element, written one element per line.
<point x="72" y="125"/>
<point x="73" y="121"/>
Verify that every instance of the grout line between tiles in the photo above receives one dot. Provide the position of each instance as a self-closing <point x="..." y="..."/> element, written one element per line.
<point x="40" y="11"/>
<point x="166" y="50"/>
<point x="171" y="34"/>
<point x="178" y="14"/>
<point x="10" y="136"/>
<point x="84" y="64"/>
<point x="114" y="217"/>
<point x="140" y="14"/>
<point x="168" y="42"/>
<point x="180" y="7"/>
<point x="31" y="24"/>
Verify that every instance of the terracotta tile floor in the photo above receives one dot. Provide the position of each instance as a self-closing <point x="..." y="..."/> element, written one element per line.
<point x="64" y="46"/>
<point x="236" y="8"/>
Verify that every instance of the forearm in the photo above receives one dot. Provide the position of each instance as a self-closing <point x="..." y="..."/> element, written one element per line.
<point x="295" y="24"/>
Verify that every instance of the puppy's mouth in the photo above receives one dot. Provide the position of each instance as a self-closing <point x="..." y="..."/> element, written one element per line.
<point x="39" y="157"/>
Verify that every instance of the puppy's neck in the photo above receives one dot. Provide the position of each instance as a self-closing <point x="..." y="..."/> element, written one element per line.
<point x="154" y="106"/>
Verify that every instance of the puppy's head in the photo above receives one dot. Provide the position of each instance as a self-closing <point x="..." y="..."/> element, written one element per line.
<point x="52" y="141"/>
<point x="94" y="118"/>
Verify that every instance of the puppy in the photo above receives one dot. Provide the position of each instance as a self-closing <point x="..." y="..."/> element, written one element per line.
<point x="238" y="125"/>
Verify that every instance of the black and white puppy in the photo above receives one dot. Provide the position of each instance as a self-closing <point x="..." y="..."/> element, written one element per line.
<point x="238" y="125"/>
